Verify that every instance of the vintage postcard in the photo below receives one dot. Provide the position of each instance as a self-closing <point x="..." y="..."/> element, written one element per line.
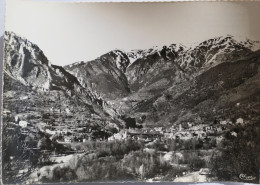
<point x="131" y="92"/>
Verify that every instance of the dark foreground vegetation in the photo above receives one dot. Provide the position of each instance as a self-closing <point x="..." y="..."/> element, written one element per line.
<point x="134" y="161"/>
<point x="240" y="156"/>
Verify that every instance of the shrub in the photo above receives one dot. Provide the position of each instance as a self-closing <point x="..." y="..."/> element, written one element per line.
<point x="101" y="169"/>
<point x="197" y="163"/>
<point x="63" y="174"/>
<point x="114" y="148"/>
<point x="145" y="165"/>
<point x="241" y="156"/>
<point x="193" y="160"/>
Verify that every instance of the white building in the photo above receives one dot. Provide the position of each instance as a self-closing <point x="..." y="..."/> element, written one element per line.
<point x="23" y="124"/>
<point x="240" y="121"/>
<point x="51" y="132"/>
<point x="224" y="122"/>
<point x="180" y="127"/>
<point x="24" y="98"/>
<point x="234" y="134"/>
<point x="67" y="140"/>
<point x="219" y="139"/>
<point x="67" y="110"/>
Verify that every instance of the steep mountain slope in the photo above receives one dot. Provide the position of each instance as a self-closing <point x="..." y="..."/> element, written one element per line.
<point x="25" y="63"/>
<point x="155" y="65"/>
<point x="212" y="94"/>
<point x="132" y="78"/>
<point x="113" y="75"/>
<point x="105" y="75"/>
<point x="188" y="59"/>
<point x="157" y="69"/>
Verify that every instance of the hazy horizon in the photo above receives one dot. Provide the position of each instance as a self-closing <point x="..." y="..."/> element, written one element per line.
<point x="72" y="32"/>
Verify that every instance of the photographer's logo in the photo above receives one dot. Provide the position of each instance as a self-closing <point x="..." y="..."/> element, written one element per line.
<point x="246" y="177"/>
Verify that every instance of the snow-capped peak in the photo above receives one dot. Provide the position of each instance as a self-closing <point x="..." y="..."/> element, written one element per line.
<point x="121" y="59"/>
<point x="134" y="55"/>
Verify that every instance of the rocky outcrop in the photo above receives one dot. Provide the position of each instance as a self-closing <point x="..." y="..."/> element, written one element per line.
<point x="25" y="62"/>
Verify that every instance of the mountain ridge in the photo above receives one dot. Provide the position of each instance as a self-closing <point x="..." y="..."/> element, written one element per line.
<point x="115" y="79"/>
<point x="158" y="69"/>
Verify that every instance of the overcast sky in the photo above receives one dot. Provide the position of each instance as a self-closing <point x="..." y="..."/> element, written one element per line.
<point x="71" y="32"/>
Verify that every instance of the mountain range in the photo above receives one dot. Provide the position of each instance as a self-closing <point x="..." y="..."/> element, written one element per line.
<point x="166" y="85"/>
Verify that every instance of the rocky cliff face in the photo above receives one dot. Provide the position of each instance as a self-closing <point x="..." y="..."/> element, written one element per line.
<point x="25" y="62"/>
<point x="105" y="75"/>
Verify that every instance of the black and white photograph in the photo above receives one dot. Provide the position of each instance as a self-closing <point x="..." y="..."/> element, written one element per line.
<point x="131" y="92"/>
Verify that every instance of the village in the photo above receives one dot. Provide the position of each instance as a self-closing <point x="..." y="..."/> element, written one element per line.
<point x="70" y="124"/>
<point x="60" y="125"/>
<point x="66" y="131"/>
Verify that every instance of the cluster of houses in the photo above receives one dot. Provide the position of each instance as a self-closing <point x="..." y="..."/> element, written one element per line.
<point x="69" y="133"/>
<point x="136" y="135"/>
<point x="177" y="132"/>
